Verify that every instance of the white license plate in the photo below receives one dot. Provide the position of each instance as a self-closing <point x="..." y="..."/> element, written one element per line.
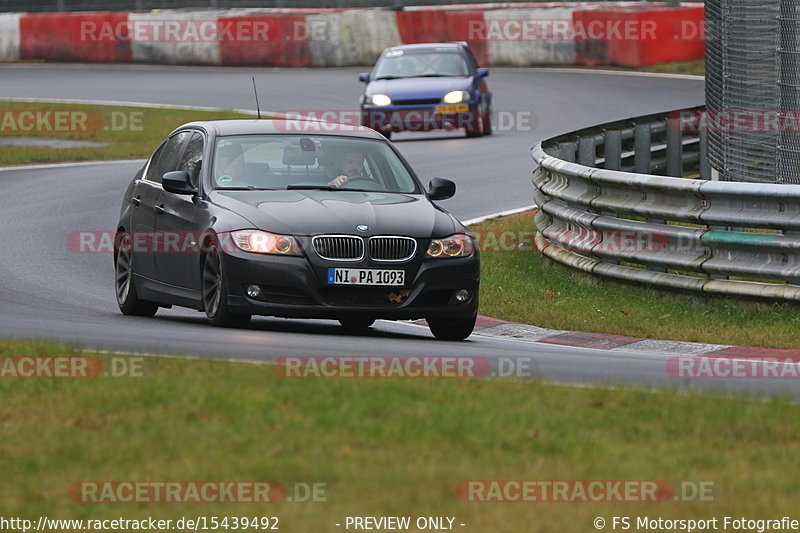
<point x="365" y="276"/>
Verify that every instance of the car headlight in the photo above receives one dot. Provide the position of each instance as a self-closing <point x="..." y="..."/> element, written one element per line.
<point x="264" y="242"/>
<point x="458" y="245"/>
<point x="379" y="100"/>
<point x="455" y="97"/>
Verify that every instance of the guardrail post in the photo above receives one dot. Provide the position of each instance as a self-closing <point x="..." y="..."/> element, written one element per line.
<point x="674" y="148"/>
<point x="567" y="151"/>
<point x="705" y="166"/>
<point x="587" y="151"/>
<point x="613" y="150"/>
<point x="641" y="148"/>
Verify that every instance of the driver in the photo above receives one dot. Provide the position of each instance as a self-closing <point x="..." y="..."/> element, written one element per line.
<point x="350" y="164"/>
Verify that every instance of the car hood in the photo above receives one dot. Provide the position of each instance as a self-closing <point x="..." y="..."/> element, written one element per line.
<point x="408" y="88"/>
<point x="338" y="212"/>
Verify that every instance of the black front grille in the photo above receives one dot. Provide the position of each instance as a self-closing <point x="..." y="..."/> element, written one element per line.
<point x="339" y="247"/>
<point x="418" y="101"/>
<point x="392" y="248"/>
<point x="364" y="296"/>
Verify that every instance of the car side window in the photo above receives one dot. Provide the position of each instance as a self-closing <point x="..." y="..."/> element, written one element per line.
<point x="167" y="158"/>
<point x="192" y="159"/>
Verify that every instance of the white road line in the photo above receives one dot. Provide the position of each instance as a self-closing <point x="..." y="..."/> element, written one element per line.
<point x="67" y="165"/>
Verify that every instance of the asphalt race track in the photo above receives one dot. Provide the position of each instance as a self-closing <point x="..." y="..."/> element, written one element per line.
<point x="47" y="291"/>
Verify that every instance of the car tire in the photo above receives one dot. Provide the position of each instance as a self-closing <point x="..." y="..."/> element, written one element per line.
<point x="356" y="323"/>
<point x="447" y="329"/>
<point x="477" y="131"/>
<point x="124" y="283"/>
<point x="215" y="291"/>
<point x="487" y="120"/>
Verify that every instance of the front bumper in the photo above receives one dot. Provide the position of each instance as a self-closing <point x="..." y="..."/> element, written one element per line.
<point x="294" y="287"/>
<point x="418" y="118"/>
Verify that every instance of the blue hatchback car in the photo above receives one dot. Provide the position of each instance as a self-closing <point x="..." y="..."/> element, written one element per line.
<point x="429" y="86"/>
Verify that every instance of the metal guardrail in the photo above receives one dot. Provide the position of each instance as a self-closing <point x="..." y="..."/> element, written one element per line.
<point x="631" y="201"/>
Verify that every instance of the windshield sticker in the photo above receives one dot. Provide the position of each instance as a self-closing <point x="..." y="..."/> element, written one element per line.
<point x="394" y="53"/>
<point x="225" y="179"/>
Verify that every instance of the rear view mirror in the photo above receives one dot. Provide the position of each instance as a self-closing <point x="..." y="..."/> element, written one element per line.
<point x="483" y="72"/>
<point x="364" y="76"/>
<point x="441" y="189"/>
<point x="178" y="182"/>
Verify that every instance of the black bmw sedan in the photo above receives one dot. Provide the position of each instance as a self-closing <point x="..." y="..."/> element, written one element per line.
<point x="293" y="219"/>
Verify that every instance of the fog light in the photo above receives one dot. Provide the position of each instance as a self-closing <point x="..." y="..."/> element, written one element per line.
<point x="462" y="295"/>
<point x="253" y="291"/>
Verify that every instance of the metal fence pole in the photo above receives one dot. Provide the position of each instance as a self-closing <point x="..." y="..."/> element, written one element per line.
<point x="705" y="166"/>
<point x="612" y="148"/>
<point x="674" y="148"/>
<point x="587" y="151"/>
<point x="641" y="148"/>
<point x="567" y="151"/>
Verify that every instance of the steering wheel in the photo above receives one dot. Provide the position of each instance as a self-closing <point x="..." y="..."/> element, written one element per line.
<point x="361" y="179"/>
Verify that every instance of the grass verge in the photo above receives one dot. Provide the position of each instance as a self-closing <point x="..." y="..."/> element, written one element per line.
<point x="385" y="447"/>
<point x="696" y="67"/>
<point x="126" y="132"/>
<point x="525" y="286"/>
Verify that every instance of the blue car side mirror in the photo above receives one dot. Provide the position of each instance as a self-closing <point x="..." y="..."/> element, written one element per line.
<point x="364" y="76"/>
<point x="483" y="72"/>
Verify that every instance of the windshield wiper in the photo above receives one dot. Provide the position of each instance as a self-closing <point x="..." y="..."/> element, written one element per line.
<point x="246" y="188"/>
<point x="321" y="188"/>
<point x="390" y="77"/>
<point x="436" y="76"/>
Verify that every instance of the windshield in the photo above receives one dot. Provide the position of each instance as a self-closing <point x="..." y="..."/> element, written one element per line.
<point x="308" y="162"/>
<point x="425" y="62"/>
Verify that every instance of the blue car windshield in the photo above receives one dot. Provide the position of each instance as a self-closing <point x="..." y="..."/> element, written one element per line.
<point x="396" y="64"/>
<point x="273" y="162"/>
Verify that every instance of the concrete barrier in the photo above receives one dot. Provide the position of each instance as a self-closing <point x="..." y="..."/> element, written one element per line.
<point x="353" y="37"/>
<point x="538" y="34"/>
<point x="90" y="37"/>
<point x="677" y="35"/>
<point x="9" y="37"/>
<point x="176" y="38"/>
<point x="285" y="44"/>
<point x="521" y="37"/>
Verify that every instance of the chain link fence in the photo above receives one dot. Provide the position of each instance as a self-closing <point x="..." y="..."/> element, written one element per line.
<point x="753" y="89"/>
<point x="147" y="5"/>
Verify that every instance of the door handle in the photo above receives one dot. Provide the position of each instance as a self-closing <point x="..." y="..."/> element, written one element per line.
<point x="136" y="201"/>
<point x="160" y="209"/>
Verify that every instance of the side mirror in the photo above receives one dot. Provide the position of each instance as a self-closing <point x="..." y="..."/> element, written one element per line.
<point x="178" y="182"/>
<point x="364" y="76"/>
<point x="441" y="189"/>
<point x="483" y="72"/>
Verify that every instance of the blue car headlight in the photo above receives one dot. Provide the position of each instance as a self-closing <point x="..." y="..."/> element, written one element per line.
<point x="456" y="97"/>
<point x="380" y="100"/>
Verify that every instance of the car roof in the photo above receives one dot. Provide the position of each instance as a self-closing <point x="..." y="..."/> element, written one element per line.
<point x="292" y="126"/>
<point x="454" y="45"/>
